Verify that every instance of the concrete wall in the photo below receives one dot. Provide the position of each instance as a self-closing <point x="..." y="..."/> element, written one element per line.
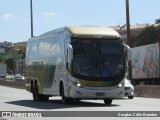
<point x="147" y="91"/>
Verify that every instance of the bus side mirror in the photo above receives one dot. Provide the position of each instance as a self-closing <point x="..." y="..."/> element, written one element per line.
<point x="129" y="53"/>
<point x="70" y="53"/>
<point x="69" y="57"/>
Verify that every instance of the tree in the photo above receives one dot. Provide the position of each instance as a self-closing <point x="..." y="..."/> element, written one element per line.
<point x="9" y="63"/>
<point x="0" y="59"/>
<point x="148" y="35"/>
<point x="157" y="21"/>
<point x="22" y="51"/>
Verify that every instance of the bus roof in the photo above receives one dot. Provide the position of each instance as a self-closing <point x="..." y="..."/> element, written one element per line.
<point x="93" y="31"/>
<point x="83" y="31"/>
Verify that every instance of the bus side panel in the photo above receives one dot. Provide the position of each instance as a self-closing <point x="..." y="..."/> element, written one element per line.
<point x="41" y="62"/>
<point x="60" y="74"/>
<point x="60" y="69"/>
<point x="48" y="55"/>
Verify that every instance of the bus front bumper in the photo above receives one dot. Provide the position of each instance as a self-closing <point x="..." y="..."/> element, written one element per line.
<point x="96" y="92"/>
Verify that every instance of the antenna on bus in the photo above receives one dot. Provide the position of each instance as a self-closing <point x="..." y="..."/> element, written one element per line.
<point x="31" y="13"/>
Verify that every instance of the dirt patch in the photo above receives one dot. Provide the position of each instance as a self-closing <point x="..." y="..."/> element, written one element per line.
<point x="14" y="84"/>
<point x="3" y="119"/>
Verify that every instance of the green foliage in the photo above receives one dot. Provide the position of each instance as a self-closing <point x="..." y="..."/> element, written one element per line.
<point x="12" y="56"/>
<point x="2" y="59"/>
<point x="22" y="51"/>
<point x="9" y="63"/>
<point x="157" y="21"/>
<point x="148" y="35"/>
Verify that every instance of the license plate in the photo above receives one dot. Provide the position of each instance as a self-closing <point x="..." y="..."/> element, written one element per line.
<point x="100" y="94"/>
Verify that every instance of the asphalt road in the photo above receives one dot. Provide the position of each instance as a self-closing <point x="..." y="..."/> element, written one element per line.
<point x="12" y="99"/>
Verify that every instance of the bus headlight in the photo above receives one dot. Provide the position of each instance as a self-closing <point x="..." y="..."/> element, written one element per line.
<point x="120" y="85"/>
<point x="76" y="83"/>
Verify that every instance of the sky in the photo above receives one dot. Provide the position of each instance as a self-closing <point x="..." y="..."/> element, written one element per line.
<point x="51" y="14"/>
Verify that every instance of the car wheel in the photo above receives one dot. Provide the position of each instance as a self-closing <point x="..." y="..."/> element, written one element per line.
<point x="130" y="97"/>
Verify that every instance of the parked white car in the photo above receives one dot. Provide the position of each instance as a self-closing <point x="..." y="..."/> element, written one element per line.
<point x="2" y="77"/>
<point x="129" y="89"/>
<point x="19" y="77"/>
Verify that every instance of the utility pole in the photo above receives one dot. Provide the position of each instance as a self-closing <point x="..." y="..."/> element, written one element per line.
<point x="128" y="23"/>
<point x="128" y="38"/>
<point x="13" y="61"/>
<point x="31" y="18"/>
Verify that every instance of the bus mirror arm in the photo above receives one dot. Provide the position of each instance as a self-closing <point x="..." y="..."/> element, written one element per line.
<point x="129" y="53"/>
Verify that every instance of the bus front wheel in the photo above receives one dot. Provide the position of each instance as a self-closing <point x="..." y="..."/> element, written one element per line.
<point x="108" y="102"/>
<point x="65" y="100"/>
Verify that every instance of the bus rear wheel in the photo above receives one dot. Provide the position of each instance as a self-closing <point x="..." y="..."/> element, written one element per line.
<point x="37" y="96"/>
<point x="35" y="92"/>
<point x="107" y="102"/>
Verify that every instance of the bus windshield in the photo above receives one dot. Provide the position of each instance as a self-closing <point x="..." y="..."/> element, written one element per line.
<point x="98" y="58"/>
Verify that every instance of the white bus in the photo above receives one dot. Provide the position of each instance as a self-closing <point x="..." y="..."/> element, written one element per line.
<point x="77" y="62"/>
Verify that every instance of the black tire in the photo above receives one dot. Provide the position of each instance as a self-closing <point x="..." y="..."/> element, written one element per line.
<point x="31" y="87"/>
<point x="107" y="102"/>
<point x="43" y="97"/>
<point x="37" y="96"/>
<point x="77" y="100"/>
<point x="35" y="92"/>
<point x="130" y="97"/>
<point x="65" y="100"/>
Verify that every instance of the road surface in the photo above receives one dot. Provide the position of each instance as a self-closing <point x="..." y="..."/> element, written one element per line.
<point x="12" y="99"/>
